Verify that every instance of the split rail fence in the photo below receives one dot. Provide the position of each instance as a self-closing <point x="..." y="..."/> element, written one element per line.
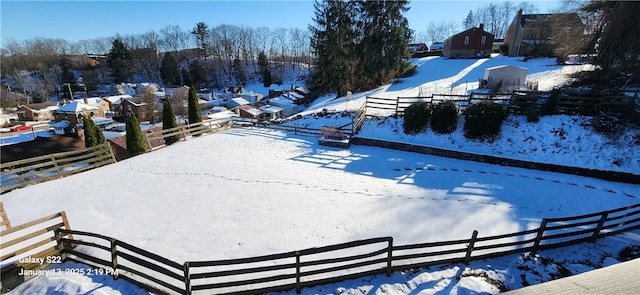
<point x="322" y="265"/>
<point x="34" y="240"/>
<point x="184" y="132"/>
<point x="21" y="173"/>
<point x="517" y="102"/>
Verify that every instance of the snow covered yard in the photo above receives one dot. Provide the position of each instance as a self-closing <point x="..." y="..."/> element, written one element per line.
<point x="247" y="192"/>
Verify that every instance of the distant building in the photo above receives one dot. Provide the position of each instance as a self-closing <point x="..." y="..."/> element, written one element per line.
<point x="505" y="78"/>
<point x="474" y="42"/>
<point x="533" y="34"/>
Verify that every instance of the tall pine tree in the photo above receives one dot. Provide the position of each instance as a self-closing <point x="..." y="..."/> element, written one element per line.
<point x="201" y="33"/>
<point x="169" y="70"/>
<point x="238" y="72"/>
<point x="265" y="72"/>
<point x="332" y="43"/>
<point x="468" y="22"/>
<point x="169" y="121"/>
<point x="194" y="108"/>
<point x="198" y="74"/>
<point x="136" y="143"/>
<point x="120" y="62"/>
<point x="385" y="34"/>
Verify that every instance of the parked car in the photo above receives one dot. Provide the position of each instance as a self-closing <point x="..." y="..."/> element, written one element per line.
<point x="20" y="128"/>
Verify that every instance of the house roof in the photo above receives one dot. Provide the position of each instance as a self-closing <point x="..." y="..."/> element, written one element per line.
<point x="116" y="99"/>
<point x="567" y="18"/>
<point x="237" y="101"/>
<point x="505" y="67"/>
<point x="77" y="107"/>
<point x="41" y="106"/>
<point x="270" y="109"/>
<point x="251" y="109"/>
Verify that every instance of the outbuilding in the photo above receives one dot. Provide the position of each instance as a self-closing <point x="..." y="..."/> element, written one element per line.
<point x="505" y="77"/>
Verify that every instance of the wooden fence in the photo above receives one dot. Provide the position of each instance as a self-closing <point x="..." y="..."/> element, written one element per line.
<point x="33" y="240"/>
<point x="298" y="130"/>
<point x="21" y="173"/>
<point x="4" y="219"/>
<point x="517" y="102"/>
<point x="184" y="131"/>
<point x="330" y="264"/>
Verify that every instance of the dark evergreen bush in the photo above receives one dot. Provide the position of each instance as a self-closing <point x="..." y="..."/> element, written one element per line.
<point x="136" y="143"/>
<point x="444" y="117"/>
<point x="483" y="119"/>
<point x="168" y="122"/>
<point x="416" y="117"/>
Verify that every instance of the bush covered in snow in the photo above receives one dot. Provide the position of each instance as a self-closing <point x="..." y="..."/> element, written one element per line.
<point x="416" y="117"/>
<point x="483" y="119"/>
<point x="444" y="117"/>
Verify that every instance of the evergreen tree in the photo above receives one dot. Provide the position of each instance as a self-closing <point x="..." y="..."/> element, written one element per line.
<point x="194" y="108"/>
<point x="169" y="121"/>
<point x="201" y="33"/>
<point x="616" y="38"/>
<point x="136" y="143"/>
<point x="90" y="136"/>
<point x="468" y="21"/>
<point x="238" y="72"/>
<point x="120" y="62"/>
<point x="169" y="70"/>
<point x="385" y="34"/>
<point x="198" y="74"/>
<point x="332" y="43"/>
<point x="186" y="77"/>
<point x="265" y="73"/>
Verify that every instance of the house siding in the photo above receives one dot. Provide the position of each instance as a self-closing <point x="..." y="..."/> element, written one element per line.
<point x="469" y="44"/>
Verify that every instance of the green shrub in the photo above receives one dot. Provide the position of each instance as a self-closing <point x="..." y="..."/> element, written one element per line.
<point x="136" y="142"/>
<point x="444" y="117"/>
<point x="169" y="122"/>
<point x="483" y="119"/>
<point x="416" y="117"/>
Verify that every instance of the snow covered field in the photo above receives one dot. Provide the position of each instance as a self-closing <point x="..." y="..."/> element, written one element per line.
<point x="247" y="192"/>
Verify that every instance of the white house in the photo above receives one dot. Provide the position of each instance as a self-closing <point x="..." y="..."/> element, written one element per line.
<point x="506" y="77"/>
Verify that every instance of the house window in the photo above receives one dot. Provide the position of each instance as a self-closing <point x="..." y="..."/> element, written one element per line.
<point x="466" y="40"/>
<point x="483" y="40"/>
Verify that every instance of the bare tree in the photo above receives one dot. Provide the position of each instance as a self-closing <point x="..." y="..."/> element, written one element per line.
<point x="174" y="39"/>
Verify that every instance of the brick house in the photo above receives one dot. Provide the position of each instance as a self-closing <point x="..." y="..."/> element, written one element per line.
<point x="474" y="42"/>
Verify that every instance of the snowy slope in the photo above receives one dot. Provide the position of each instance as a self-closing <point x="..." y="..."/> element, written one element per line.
<point x="247" y="192"/>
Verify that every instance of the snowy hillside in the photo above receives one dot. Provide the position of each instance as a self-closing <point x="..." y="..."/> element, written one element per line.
<point x="247" y="192"/>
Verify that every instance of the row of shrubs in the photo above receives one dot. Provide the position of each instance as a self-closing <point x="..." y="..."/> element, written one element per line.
<point x="481" y="120"/>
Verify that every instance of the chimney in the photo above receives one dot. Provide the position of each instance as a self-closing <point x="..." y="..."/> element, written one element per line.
<point x="481" y="27"/>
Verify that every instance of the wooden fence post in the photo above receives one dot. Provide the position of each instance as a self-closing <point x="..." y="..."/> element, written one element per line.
<point x="187" y="278"/>
<point x="146" y="136"/>
<point x="536" y="243"/>
<point x="472" y="243"/>
<point x="397" y="104"/>
<point x="55" y="163"/>
<point x="59" y="245"/>
<point x="65" y="222"/>
<point x="389" y="256"/>
<point x="114" y="259"/>
<point x="596" y="231"/>
<point x="184" y="133"/>
<point x="298" y="280"/>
